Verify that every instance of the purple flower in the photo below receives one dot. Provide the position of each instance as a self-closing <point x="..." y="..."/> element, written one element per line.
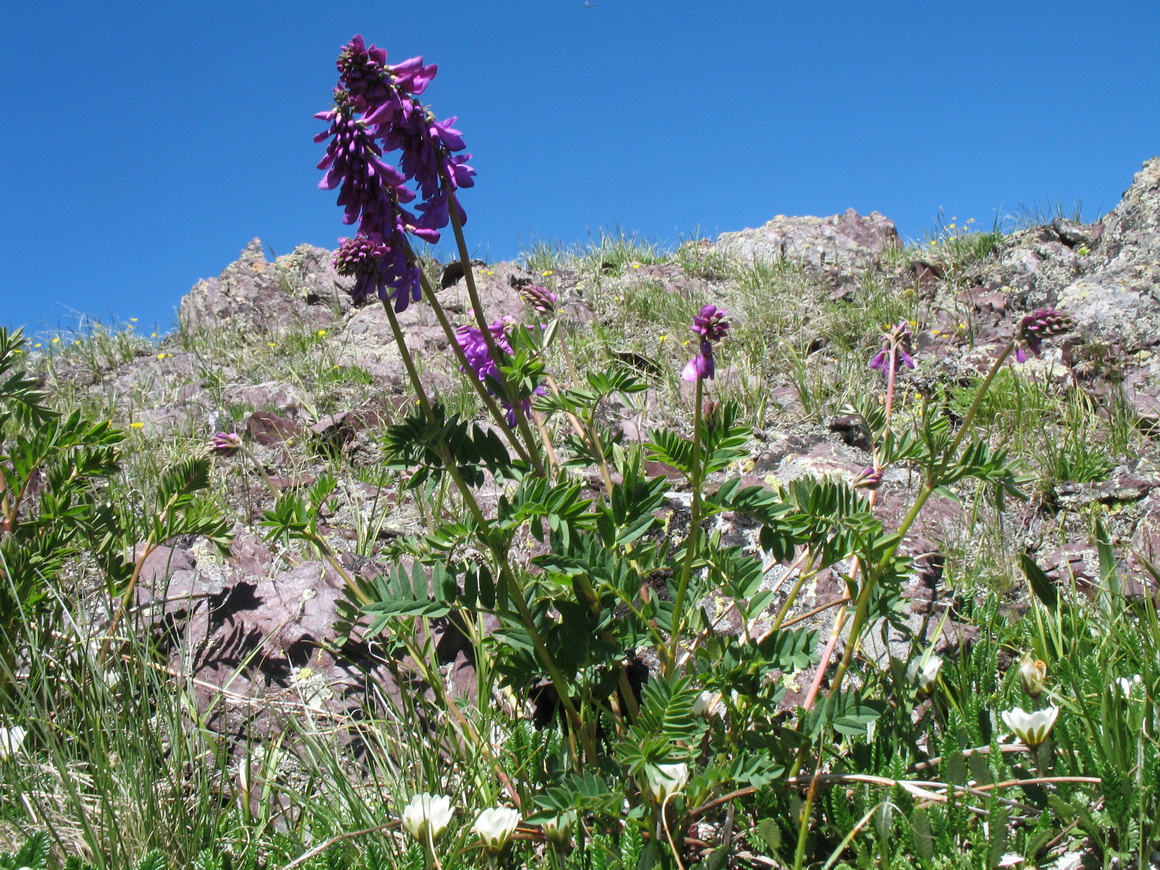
<point x="701" y="366"/>
<point x="710" y="324"/>
<point x="377" y="269"/>
<point x="895" y="349"/>
<point x="225" y="442"/>
<point x="363" y="72"/>
<point x="1038" y="325"/>
<point x="869" y="478"/>
<point x="367" y="186"/>
<point x="474" y="346"/>
<point x="377" y="112"/>
<point x="471" y="340"/>
<point x="540" y="298"/>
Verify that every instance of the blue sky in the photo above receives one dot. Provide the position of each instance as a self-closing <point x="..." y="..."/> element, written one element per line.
<point x="145" y="143"/>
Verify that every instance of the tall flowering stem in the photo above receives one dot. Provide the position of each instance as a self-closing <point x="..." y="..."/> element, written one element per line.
<point x="507" y="578"/>
<point x="710" y="325"/>
<point x="377" y="112"/>
<point x="895" y="349"/>
<point x="930" y="480"/>
<point x="1028" y="334"/>
<point x="493" y="347"/>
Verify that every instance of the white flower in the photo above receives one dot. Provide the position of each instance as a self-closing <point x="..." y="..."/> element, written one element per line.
<point x="706" y="703"/>
<point x="666" y="779"/>
<point x="427" y="815"/>
<point x="924" y="672"/>
<point x="495" y="827"/>
<point x="11" y="740"/>
<point x="1031" y="728"/>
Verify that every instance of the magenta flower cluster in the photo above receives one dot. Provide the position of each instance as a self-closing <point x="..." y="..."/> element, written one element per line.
<point x="895" y="350"/>
<point x="1034" y="327"/>
<point x="710" y="325"/>
<point x="540" y="298"/>
<point x="225" y="442"/>
<point x="470" y="339"/>
<point x="377" y="112"/>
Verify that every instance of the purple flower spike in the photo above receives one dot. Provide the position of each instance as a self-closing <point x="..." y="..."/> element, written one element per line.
<point x="225" y="442"/>
<point x="540" y="298"/>
<point x="376" y="112"/>
<point x="896" y="345"/>
<point x="363" y="72"/>
<point x="352" y="162"/>
<point x="471" y="340"/>
<point x="710" y="324"/>
<point x="1040" y="324"/>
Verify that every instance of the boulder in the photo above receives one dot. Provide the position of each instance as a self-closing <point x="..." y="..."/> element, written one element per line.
<point x="257" y="297"/>
<point x="849" y="242"/>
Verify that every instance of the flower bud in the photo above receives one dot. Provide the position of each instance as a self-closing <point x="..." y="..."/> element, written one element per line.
<point x="558" y="832"/>
<point x="540" y="298"/>
<point x="665" y="780"/>
<point x="924" y="673"/>
<point x="1033" y="675"/>
<point x="707" y="703"/>
<point x="225" y="442"/>
<point x="1038" y="325"/>
<point x="11" y="739"/>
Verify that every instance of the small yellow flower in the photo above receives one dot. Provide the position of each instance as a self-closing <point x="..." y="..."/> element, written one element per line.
<point x="153" y="335"/>
<point x="132" y="319"/>
<point x="546" y="273"/>
<point x="163" y="355"/>
<point x="272" y="343"/>
<point x="38" y="344"/>
<point x="56" y="339"/>
<point x="321" y="333"/>
<point x="636" y="265"/>
<point x="664" y="338"/>
<point x="17" y="350"/>
<point x="136" y="424"/>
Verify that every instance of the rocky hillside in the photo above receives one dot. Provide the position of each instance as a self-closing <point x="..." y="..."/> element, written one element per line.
<point x="276" y="351"/>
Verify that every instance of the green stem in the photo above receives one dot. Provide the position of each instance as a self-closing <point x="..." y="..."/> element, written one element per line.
<point x="514" y="589"/>
<point x="694" y="533"/>
<point x="806" y="571"/>
<point x="489" y="402"/>
<point x="930" y="483"/>
<point x="589" y="428"/>
<point x="492" y="349"/>
<point x="804" y="826"/>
